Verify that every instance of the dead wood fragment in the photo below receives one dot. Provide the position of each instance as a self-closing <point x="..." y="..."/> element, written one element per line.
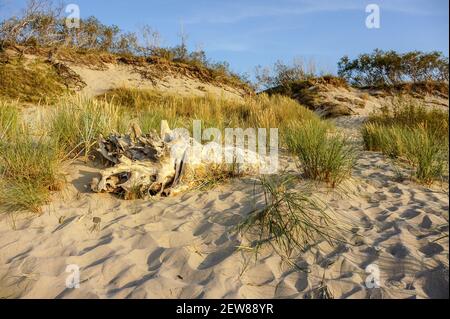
<point x="147" y="165"/>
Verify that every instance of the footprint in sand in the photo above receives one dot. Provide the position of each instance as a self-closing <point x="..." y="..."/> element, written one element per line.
<point x="411" y="213"/>
<point x="398" y="251"/>
<point x="218" y="256"/>
<point x="154" y="259"/>
<point x="426" y="223"/>
<point x="431" y="249"/>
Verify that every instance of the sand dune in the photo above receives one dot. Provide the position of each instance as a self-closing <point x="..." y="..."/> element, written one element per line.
<point x="182" y="247"/>
<point x="121" y="75"/>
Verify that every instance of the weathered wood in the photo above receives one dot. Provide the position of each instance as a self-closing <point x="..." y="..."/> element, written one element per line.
<point x="147" y="165"/>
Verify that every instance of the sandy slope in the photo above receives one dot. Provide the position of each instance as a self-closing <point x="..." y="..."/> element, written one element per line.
<point x="99" y="81"/>
<point x="182" y="248"/>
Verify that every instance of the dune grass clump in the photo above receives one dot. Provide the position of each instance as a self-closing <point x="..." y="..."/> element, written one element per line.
<point x="290" y="220"/>
<point x="30" y="169"/>
<point x="77" y="122"/>
<point x="388" y="139"/>
<point x="414" y="134"/>
<point x="262" y="111"/>
<point x="425" y="153"/>
<point x="30" y="166"/>
<point x="212" y="175"/>
<point x="32" y="81"/>
<point x="9" y="119"/>
<point x="323" y="156"/>
<point x="408" y="113"/>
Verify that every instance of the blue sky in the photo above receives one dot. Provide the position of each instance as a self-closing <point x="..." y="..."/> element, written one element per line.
<point x="247" y="33"/>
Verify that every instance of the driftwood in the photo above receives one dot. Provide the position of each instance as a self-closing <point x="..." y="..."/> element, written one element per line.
<point x="143" y="165"/>
<point x="147" y="165"/>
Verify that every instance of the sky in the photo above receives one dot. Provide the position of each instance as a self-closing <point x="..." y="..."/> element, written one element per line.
<point x="247" y="33"/>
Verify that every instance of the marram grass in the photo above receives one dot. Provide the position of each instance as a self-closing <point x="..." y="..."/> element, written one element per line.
<point x="414" y="134"/>
<point x="290" y="220"/>
<point x="30" y="169"/>
<point x="30" y="165"/>
<point x="323" y="156"/>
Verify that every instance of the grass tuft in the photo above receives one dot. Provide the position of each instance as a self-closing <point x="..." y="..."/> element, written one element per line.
<point x="9" y="119"/>
<point x="212" y="175"/>
<point x="414" y="134"/>
<point x="290" y="220"/>
<point x="30" y="170"/>
<point x="77" y="122"/>
<point x="323" y="156"/>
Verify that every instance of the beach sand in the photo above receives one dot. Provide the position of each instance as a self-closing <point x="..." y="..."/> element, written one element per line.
<point x="182" y="247"/>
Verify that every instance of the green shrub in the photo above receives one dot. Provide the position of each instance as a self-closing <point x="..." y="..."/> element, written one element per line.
<point x="381" y="68"/>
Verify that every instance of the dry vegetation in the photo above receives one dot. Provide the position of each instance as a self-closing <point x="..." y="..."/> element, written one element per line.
<point x="261" y="111"/>
<point x="9" y="119"/>
<point x="305" y="90"/>
<point x="33" y="81"/>
<point x="74" y="123"/>
<point x="292" y="218"/>
<point x="41" y="30"/>
<point x="31" y="161"/>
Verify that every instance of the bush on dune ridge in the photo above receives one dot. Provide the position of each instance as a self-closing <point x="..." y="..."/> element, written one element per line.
<point x="41" y="26"/>
<point x="390" y="68"/>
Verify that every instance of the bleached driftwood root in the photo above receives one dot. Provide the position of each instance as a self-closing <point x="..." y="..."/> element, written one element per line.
<point x="147" y="165"/>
